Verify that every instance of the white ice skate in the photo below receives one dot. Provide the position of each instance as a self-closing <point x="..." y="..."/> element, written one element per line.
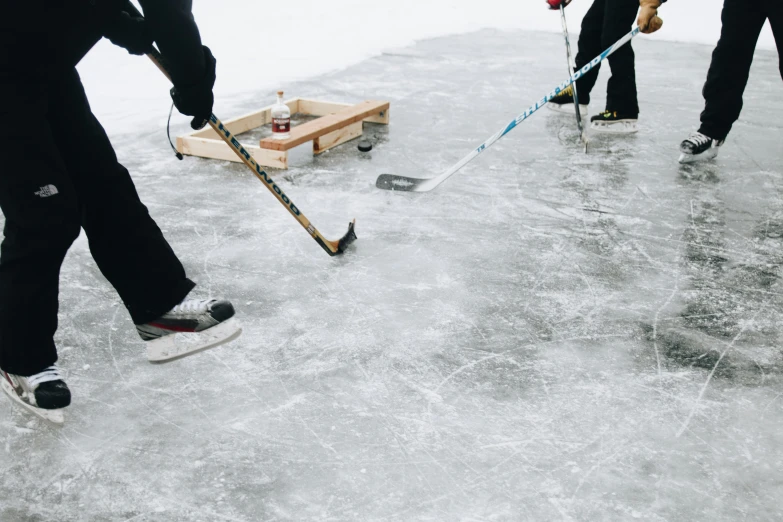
<point x="613" y="122"/>
<point x="44" y="394"/>
<point x="190" y="327"/>
<point x="699" y="147"/>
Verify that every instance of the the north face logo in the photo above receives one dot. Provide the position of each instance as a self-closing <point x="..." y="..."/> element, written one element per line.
<point x="48" y="190"/>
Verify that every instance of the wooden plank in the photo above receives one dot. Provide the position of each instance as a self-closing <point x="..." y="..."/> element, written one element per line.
<point x="207" y="148"/>
<point x="217" y="149"/>
<point x="275" y="159"/>
<point x="333" y="139"/>
<point x="382" y="118"/>
<point x="326" y="124"/>
<point x="322" y="108"/>
<point x="247" y="122"/>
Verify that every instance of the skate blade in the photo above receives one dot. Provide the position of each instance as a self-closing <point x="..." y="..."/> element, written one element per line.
<point x="178" y="345"/>
<point x="567" y="108"/>
<point x="615" y="127"/>
<point x="707" y="155"/>
<point x="54" y="416"/>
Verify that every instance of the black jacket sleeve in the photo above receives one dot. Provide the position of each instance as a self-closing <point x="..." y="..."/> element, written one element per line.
<point x="174" y="29"/>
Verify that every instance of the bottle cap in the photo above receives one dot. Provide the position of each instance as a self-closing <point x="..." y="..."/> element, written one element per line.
<point x="280" y="93"/>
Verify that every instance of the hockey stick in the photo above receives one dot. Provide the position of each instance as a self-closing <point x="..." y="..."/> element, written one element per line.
<point x="332" y="248"/>
<point x="579" y="124"/>
<point x="406" y="184"/>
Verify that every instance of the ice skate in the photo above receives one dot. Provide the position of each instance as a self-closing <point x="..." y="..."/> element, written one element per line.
<point x="190" y="327"/>
<point x="44" y="394"/>
<point x="564" y="103"/>
<point x="614" y="122"/>
<point x="699" y="147"/>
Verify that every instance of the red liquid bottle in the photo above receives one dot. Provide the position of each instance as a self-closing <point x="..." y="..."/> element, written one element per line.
<point x="281" y="119"/>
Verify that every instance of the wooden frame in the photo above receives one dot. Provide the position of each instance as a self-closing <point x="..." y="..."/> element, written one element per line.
<point x="337" y="123"/>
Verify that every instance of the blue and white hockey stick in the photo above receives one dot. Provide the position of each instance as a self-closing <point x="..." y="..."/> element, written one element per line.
<point x="406" y="184"/>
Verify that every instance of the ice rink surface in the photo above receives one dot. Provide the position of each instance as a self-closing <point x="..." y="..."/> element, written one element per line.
<point x="547" y="336"/>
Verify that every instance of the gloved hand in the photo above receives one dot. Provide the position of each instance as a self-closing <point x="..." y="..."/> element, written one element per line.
<point x="128" y="32"/>
<point x="197" y="99"/>
<point x="554" y="5"/>
<point x="649" y="21"/>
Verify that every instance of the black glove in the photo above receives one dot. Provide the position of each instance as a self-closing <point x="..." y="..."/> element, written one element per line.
<point x="129" y="33"/>
<point x="197" y="99"/>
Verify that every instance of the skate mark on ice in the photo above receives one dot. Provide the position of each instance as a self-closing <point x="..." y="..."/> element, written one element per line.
<point x="675" y="291"/>
<point x="465" y="367"/>
<point x="121" y="375"/>
<point x="403" y="448"/>
<point x="745" y="326"/>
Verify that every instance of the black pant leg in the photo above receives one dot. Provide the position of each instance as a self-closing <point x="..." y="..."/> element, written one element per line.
<point x="730" y="66"/>
<point x="589" y="48"/>
<point x="125" y="241"/>
<point x="41" y="221"/>
<point x="621" y="94"/>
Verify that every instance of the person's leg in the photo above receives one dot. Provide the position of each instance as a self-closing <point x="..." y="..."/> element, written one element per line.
<point x="41" y="221"/>
<point x="125" y="241"/>
<point x="589" y="48"/>
<point x="730" y="67"/>
<point x="621" y="93"/>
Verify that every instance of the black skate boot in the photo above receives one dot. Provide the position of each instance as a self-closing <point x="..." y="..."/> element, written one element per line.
<point x="699" y="147"/>
<point x="564" y="102"/>
<point x="45" y="394"/>
<point x="189" y="327"/>
<point x="615" y="122"/>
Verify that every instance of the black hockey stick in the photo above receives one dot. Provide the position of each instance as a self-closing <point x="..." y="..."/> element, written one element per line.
<point x="332" y="248"/>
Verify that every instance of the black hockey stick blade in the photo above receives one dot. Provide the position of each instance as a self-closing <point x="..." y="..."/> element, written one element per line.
<point x="335" y="248"/>
<point x="400" y="183"/>
<point x="348" y="238"/>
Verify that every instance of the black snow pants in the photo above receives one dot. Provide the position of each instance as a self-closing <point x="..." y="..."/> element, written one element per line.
<point x="58" y="174"/>
<point x="731" y="60"/>
<point x="606" y="22"/>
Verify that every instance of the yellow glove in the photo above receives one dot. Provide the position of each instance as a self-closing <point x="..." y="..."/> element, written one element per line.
<point x="649" y="21"/>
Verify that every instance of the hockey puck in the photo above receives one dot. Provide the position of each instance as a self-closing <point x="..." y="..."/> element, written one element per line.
<point x="365" y="146"/>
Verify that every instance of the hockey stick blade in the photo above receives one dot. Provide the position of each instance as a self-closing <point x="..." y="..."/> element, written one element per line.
<point x="400" y="183"/>
<point x="405" y="184"/>
<point x="339" y="246"/>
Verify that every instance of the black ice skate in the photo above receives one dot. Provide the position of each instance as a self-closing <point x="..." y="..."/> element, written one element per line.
<point x="45" y="394"/>
<point x="699" y="147"/>
<point x="189" y="327"/>
<point x="614" y="122"/>
<point x="564" y="102"/>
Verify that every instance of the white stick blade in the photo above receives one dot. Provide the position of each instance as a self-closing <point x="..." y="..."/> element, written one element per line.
<point x="400" y="183"/>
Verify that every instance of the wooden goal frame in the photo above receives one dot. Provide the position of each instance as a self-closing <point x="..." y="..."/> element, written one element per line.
<point x="336" y="124"/>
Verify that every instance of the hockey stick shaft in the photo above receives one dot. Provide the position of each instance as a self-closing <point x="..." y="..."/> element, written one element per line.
<point x="534" y="108"/>
<point x="331" y="247"/>
<point x="571" y="65"/>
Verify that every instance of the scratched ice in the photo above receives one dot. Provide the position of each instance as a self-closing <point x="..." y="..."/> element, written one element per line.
<point x="548" y="336"/>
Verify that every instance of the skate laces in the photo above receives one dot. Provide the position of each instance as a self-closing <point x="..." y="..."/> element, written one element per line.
<point x="190" y="306"/>
<point x="52" y="373"/>
<point x="699" y="139"/>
